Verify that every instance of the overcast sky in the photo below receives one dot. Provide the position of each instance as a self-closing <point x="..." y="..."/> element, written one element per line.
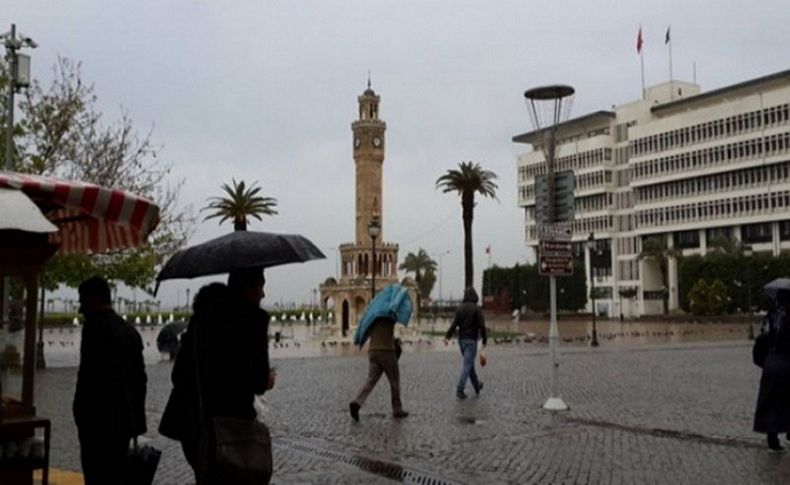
<point x="266" y="90"/>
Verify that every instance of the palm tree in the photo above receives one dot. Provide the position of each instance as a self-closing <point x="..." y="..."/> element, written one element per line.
<point x="655" y="248"/>
<point x="241" y="203"/>
<point x="419" y="264"/>
<point x="467" y="180"/>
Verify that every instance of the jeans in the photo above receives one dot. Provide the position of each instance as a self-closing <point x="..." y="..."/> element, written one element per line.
<point x="469" y="352"/>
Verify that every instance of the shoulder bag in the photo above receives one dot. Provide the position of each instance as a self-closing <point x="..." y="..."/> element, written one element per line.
<point x="232" y="450"/>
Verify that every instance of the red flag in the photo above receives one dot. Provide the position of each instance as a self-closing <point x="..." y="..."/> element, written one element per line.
<point x="639" y="42"/>
<point x="488" y="249"/>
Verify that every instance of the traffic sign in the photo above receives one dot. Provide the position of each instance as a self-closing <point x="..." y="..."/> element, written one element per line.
<point x="555" y="248"/>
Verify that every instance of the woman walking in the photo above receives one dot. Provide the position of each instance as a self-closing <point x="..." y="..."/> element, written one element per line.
<point x="772" y="415"/>
<point x="471" y="327"/>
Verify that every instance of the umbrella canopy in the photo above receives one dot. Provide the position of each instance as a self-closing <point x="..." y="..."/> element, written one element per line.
<point x="772" y="287"/>
<point x="168" y="339"/>
<point x="393" y="302"/>
<point x="89" y="218"/>
<point x="237" y="250"/>
<point x="19" y="213"/>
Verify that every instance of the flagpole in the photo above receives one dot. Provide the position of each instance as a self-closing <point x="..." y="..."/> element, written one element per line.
<point x="642" y="57"/>
<point x="670" y="58"/>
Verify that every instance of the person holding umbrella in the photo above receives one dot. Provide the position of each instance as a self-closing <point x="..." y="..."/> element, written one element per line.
<point x="392" y="304"/>
<point x="772" y="414"/>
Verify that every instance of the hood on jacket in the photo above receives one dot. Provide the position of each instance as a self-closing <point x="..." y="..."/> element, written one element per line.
<point x="470" y="295"/>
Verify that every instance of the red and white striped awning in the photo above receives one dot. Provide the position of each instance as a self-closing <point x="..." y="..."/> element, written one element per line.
<point x="90" y="218"/>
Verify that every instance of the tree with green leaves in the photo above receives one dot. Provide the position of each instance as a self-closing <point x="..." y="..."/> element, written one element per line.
<point x="420" y="264"/>
<point x="240" y="203"/>
<point x="469" y="179"/>
<point x="61" y="133"/>
<point x="656" y="249"/>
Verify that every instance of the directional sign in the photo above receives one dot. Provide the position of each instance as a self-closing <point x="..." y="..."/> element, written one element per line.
<point x="555" y="248"/>
<point x="564" y="183"/>
<point x="555" y="266"/>
<point x="555" y="232"/>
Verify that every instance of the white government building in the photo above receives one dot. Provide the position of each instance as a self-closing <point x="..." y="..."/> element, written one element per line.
<point x="694" y="167"/>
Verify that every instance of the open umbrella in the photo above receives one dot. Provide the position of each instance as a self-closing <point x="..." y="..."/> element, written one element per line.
<point x="237" y="250"/>
<point x="169" y="337"/>
<point x="89" y="218"/>
<point x="393" y="302"/>
<point x="772" y="287"/>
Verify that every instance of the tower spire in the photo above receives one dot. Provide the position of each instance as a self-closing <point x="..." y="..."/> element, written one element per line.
<point x="368" y="79"/>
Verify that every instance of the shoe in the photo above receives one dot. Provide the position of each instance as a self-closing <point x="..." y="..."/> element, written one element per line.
<point x="353" y="408"/>
<point x="477" y="391"/>
<point x="400" y="414"/>
<point x="460" y="395"/>
<point x="778" y="449"/>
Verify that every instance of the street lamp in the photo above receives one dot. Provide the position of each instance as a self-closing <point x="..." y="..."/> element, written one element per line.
<point x="374" y="229"/>
<point x="747" y="252"/>
<point x="19" y="77"/>
<point x="441" y="255"/>
<point x="591" y="248"/>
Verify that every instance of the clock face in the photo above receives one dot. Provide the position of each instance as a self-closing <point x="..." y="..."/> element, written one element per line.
<point x="377" y="142"/>
<point x="357" y="142"/>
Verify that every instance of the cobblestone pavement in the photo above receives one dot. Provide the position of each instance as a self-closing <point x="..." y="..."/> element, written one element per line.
<point x="648" y="414"/>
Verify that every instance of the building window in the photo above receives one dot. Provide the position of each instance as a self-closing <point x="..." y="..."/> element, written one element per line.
<point x="757" y="233"/>
<point x="687" y="239"/>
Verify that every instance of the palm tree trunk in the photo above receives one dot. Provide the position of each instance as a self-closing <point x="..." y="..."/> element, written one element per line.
<point x="665" y="288"/>
<point x="239" y="225"/>
<point x="468" y="206"/>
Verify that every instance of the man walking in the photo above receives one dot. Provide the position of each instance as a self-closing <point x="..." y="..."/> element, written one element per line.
<point x="109" y="400"/>
<point x="471" y="326"/>
<point x="382" y="358"/>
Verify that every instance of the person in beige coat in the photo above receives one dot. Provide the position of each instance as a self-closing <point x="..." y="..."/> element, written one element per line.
<point x="382" y="359"/>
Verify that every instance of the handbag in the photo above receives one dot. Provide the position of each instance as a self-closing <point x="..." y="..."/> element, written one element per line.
<point x="483" y="360"/>
<point x="141" y="464"/>
<point x="232" y="450"/>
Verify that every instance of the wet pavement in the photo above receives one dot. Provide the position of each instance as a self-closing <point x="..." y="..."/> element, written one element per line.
<point x="658" y="413"/>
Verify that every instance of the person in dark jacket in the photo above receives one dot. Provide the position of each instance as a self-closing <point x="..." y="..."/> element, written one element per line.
<point x="382" y="358"/>
<point x="471" y="327"/>
<point x="109" y="400"/>
<point x="230" y="331"/>
<point x="772" y="415"/>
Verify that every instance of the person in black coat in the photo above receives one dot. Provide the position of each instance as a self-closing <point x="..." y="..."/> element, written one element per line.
<point x="772" y="415"/>
<point x="109" y="400"/>
<point x="230" y="331"/>
<point x="471" y="327"/>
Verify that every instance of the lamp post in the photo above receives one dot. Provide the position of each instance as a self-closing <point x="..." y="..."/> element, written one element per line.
<point x="374" y="229"/>
<point x="441" y="255"/>
<point x="591" y="248"/>
<point x="747" y="252"/>
<point x="19" y="77"/>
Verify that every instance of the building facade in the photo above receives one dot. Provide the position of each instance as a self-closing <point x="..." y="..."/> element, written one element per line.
<point x="690" y="170"/>
<point x="349" y="296"/>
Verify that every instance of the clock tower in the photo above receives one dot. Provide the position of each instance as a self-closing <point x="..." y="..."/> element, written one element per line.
<point x="368" y="141"/>
<point x="360" y="264"/>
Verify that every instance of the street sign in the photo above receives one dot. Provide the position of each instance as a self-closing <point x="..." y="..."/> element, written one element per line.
<point x="564" y="183"/>
<point x="555" y="248"/>
<point x="555" y="255"/>
<point x="555" y="232"/>
<point x="555" y="265"/>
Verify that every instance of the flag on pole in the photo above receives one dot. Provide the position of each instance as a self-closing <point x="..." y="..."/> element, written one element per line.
<point x="639" y="41"/>
<point x="488" y="249"/>
<point x="666" y="39"/>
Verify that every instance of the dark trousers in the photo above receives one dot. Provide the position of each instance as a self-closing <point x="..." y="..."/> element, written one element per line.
<point x="386" y="362"/>
<point x="103" y="458"/>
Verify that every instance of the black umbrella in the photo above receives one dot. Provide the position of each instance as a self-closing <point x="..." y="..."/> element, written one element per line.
<point x="168" y="339"/>
<point x="237" y="250"/>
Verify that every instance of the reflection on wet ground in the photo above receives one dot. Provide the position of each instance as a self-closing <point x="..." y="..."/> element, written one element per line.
<point x="288" y="339"/>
